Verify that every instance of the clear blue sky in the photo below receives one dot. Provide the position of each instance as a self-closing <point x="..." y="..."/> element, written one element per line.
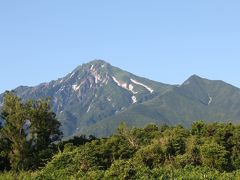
<point x="165" y="41"/>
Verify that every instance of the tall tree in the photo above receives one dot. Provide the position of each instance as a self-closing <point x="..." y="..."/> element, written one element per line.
<point x="14" y="114"/>
<point x="44" y="130"/>
<point x="31" y="128"/>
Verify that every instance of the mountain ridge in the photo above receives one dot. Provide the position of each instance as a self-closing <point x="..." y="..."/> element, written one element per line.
<point x="96" y="96"/>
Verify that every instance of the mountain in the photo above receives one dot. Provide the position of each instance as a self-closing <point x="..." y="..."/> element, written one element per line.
<point x="91" y="93"/>
<point x="195" y="99"/>
<point x="96" y="97"/>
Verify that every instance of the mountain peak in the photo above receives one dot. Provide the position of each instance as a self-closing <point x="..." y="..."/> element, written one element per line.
<point x="96" y="64"/>
<point x="192" y="79"/>
<point x="97" y="61"/>
<point x="92" y="65"/>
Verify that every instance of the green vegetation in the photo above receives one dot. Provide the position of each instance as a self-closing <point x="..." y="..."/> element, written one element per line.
<point x="204" y="151"/>
<point x="27" y="135"/>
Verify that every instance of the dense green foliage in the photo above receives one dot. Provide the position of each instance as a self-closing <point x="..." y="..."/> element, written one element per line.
<point x="27" y="135"/>
<point x="205" y="151"/>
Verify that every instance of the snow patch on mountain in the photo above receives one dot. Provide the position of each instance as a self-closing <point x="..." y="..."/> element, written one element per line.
<point x="116" y="81"/>
<point x="210" y="99"/>
<point x="98" y="77"/>
<point x="76" y="87"/>
<point x="72" y="75"/>
<point x="122" y="85"/>
<point x="134" y="99"/>
<point x="91" y="68"/>
<point x="141" y="84"/>
<point x="89" y="108"/>
<point x="129" y="87"/>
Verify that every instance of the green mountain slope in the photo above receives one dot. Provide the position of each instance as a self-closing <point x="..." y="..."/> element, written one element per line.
<point x="95" y="97"/>
<point x="195" y="99"/>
